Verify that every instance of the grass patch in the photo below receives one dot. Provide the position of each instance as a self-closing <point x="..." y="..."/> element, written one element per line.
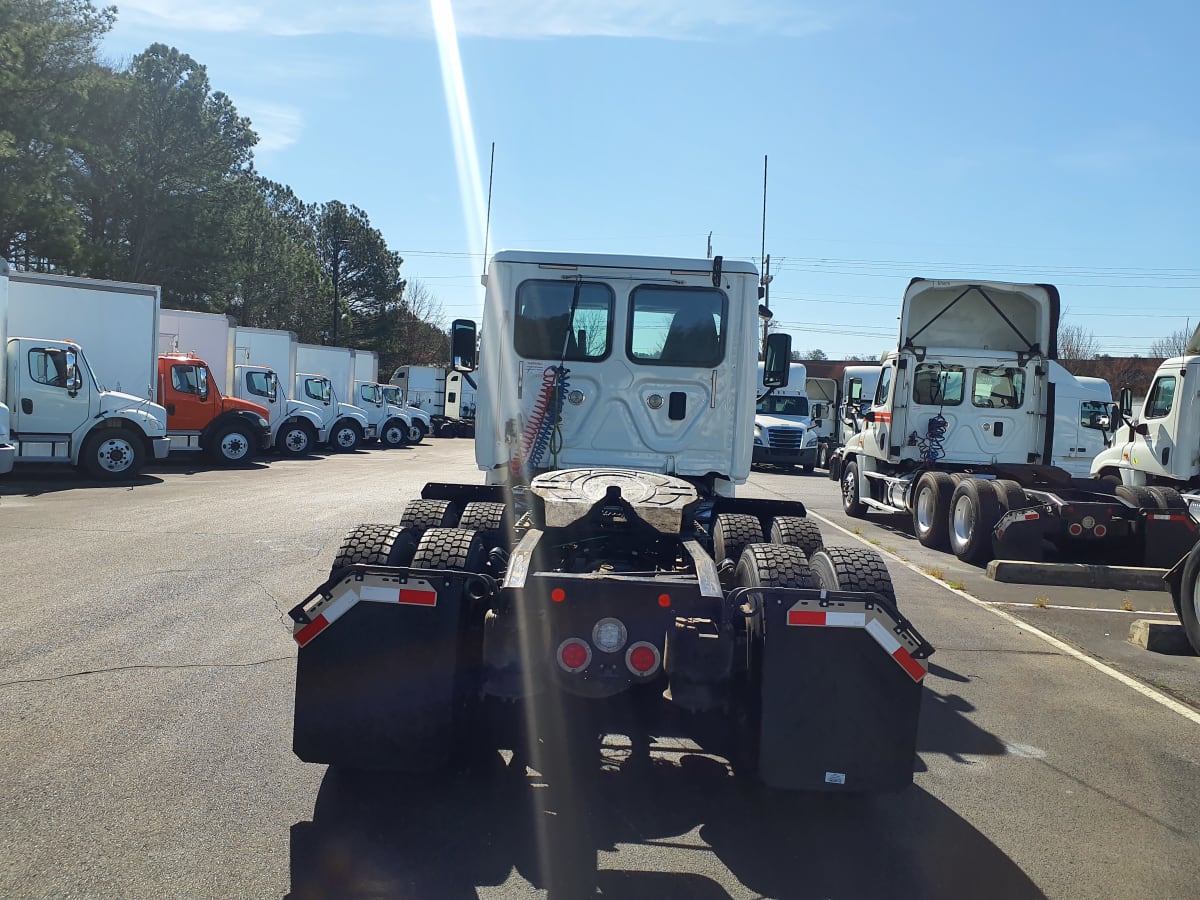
<point x="934" y="573"/>
<point x="957" y="585"/>
<point x="1126" y="605"/>
<point x="858" y="531"/>
<point x="1041" y="602"/>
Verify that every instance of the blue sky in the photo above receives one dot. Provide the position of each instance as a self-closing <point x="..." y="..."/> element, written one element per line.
<point x="1018" y="141"/>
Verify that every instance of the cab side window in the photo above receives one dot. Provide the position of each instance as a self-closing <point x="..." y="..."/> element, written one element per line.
<point x="1161" y="399"/>
<point x="935" y="384"/>
<point x="184" y="380"/>
<point x="48" y="367"/>
<point x="884" y="388"/>
<point x="258" y="384"/>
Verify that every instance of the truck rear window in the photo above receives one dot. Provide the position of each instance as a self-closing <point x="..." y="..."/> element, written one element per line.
<point x="542" y="329"/>
<point x="936" y="384"/>
<point x="672" y="326"/>
<point x="1002" y="387"/>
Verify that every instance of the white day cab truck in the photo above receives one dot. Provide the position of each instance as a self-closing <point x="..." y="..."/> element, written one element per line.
<point x="837" y="407"/>
<point x="325" y="379"/>
<point x="606" y="564"/>
<point x="59" y="411"/>
<point x="391" y="423"/>
<point x="447" y="396"/>
<point x="985" y="441"/>
<point x="1158" y="459"/>
<point x="783" y="428"/>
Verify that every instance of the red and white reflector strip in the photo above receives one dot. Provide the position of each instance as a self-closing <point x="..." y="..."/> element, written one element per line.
<point x="868" y="620"/>
<point x="824" y="619"/>
<point x="1164" y="517"/>
<point x="412" y="592"/>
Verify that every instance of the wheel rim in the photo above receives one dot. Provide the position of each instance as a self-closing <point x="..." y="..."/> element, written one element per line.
<point x="296" y="440"/>
<point x="115" y="455"/>
<point x="1196" y="597"/>
<point x="964" y="521"/>
<point x="925" y="510"/>
<point x="346" y="438"/>
<point x="414" y="434"/>
<point x="393" y="435"/>
<point x="234" y="446"/>
<point x="849" y="486"/>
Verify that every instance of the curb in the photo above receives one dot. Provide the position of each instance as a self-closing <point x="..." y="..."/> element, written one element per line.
<point x="1160" y="637"/>
<point x="1120" y="578"/>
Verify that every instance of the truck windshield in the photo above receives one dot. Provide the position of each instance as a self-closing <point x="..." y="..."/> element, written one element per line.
<point x="542" y="330"/>
<point x="775" y="405"/>
<point x="672" y="326"/>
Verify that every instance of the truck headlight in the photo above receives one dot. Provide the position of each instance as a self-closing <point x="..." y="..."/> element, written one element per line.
<point x="263" y="423"/>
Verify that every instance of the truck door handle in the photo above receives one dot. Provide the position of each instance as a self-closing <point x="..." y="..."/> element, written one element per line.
<point x="677" y="406"/>
<point x="1166" y="455"/>
<point x="998" y="429"/>
<point x="26" y="406"/>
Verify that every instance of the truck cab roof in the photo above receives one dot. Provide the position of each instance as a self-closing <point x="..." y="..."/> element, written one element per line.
<point x="613" y="261"/>
<point x="983" y="315"/>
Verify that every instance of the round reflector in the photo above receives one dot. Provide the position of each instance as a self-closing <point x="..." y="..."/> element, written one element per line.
<point x="1101" y="531"/>
<point x="642" y="658"/>
<point x="558" y="595"/>
<point x="1075" y="529"/>
<point x="664" y="600"/>
<point x="574" y="654"/>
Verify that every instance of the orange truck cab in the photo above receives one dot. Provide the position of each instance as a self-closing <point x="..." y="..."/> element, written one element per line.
<point x="201" y="418"/>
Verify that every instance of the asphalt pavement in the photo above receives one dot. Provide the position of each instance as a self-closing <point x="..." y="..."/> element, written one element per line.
<point x="146" y="689"/>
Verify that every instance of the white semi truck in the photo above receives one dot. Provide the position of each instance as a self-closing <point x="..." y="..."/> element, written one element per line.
<point x="981" y="437"/>
<point x="448" y="397"/>
<point x="60" y="411"/>
<point x="783" y="427"/>
<point x="325" y="378"/>
<point x="606" y="559"/>
<point x="837" y="407"/>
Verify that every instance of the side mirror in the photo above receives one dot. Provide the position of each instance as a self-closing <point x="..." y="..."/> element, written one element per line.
<point x="777" y="364"/>
<point x="202" y="383"/>
<point x="1126" y="406"/>
<point x="273" y="388"/>
<point x="463" y="341"/>
<point x="74" y="382"/>
<point x="1142" y="428"/>
<point x="869" y="415"/>
<point x="856" y="390"/>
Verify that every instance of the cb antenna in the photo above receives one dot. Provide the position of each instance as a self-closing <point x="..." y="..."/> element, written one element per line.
<point x="487" y="224"/>
<point x="764" y="308"/>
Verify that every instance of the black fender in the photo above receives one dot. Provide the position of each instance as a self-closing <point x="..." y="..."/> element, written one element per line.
<point x="218" y="424"/>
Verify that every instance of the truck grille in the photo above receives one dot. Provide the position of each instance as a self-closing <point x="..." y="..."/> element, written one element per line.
<point x="785" y="438"/>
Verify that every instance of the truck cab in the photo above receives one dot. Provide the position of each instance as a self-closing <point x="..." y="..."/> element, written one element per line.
<point x="420" y="422"/>
<point x="390" y="424"/>
<point x="8" y="453"/>
<point x="1163" y="446"/>
<point x="595" y="360"/>
<point x="200" y="418"/>
<point x="346" y="426"/>
<point x="295" y="428"/>
<point x="60" y="413"/>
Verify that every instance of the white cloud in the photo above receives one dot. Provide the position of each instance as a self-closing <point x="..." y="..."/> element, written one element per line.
<point x="670" y="19"/>
<point x="277" y="127"/>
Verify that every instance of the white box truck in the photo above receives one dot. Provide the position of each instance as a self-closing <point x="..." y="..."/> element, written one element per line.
<point x="264" y="370"/>
<point x="390" y="423"/>
<point x="59" y="410"/>
<point x="325" y="379"/>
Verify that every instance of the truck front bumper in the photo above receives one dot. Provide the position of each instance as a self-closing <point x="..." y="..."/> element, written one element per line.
<point x="8" y="456"/>
<point x="265" y="439"/>
<point x="774" y="456"/>
<point x="161" y="447"/>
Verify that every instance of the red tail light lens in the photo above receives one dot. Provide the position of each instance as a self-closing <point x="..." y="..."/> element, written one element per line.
<point x="642" y="658"/>
<point x="574" y="655"/>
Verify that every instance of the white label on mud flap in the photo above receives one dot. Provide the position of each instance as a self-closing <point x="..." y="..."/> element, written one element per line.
<point x="835" y="777"/>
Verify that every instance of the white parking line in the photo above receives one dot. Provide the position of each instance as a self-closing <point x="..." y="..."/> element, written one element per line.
<point x="1127" y="612"/>
<point x="1162" y="699"/>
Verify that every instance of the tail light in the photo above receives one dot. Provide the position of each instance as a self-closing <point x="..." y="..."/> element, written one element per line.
<point x="642" y="659"/>
<point x="574" y="655"/>
<point x="1075" y="529"/>
<point x="1101" y="531"/>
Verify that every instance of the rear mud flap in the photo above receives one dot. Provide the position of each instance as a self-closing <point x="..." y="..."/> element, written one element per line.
<point x="1018" y="536"/>
<point x="1168" y="537"/>
<point x="841" y="678"/>
<point x="378" y="675"/>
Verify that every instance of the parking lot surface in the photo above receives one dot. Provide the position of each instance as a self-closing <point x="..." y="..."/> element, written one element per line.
<point x="146" y="689"/>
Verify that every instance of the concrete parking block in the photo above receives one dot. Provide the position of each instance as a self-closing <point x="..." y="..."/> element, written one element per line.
<point x="1121" y="578"/>
<point x="1159" y="637"/>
